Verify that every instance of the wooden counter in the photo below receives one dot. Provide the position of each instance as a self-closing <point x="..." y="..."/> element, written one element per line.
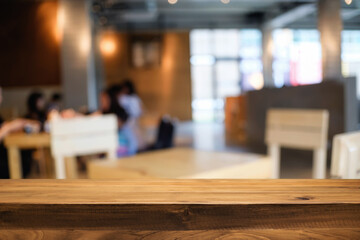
<point x="169" y="209"/>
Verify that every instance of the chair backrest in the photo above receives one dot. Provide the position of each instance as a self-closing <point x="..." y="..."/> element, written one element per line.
<point x="297" y="128"/>
<point x="346" y="156"/>
<point x="84" y="135"/>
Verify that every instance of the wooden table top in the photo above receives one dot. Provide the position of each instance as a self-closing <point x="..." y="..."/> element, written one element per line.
<point x="183" y="163"/>
<point x="179" y="191"/>
<point x="23" y="140"/>
<point x="180" y="209"/>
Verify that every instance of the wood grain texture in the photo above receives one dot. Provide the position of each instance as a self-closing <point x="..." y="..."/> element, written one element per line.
<point x="163" y="191"/>
<point x="179" y="205"/>
<point x="180" y="209"/>
<point x="280" y="234"/>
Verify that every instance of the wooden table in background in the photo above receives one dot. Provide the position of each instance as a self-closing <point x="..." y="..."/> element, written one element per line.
<point x="183" y="163"/>
<point x="180" y="209"/>
<point x="16" y="142"/>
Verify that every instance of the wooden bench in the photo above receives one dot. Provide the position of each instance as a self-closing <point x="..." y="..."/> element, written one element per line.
<point x="180" y="209"/>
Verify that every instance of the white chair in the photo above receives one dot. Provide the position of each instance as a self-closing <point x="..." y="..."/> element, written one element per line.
<point x="82" y="136"/>
<point x="300" y="129"/>
<point x="346" y="156"/>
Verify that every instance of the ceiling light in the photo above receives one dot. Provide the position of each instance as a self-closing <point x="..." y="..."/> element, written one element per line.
<point x="348" y="2"/>
<point x="172" y="1"/>
<point x="108" y="46"/>
<point x="225" y="1"/>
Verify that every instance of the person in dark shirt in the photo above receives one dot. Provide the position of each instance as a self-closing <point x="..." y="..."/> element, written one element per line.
<point x="109" y="102"/>
<point x="5" y="129"/>
<point x="109" y="105"/>
<point x="55" y="103"/>
<point x="36" y="107"/>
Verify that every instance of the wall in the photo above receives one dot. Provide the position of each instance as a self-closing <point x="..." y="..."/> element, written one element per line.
<point x="29" y="44"/>
<point x="165" y="89"/>
<point x="17" y="97"/>
<point x="30" y="51"/>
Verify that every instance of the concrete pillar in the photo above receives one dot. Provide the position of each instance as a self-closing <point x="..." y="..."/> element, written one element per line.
<point x="98" y="68"/>
<point x="330" y="27"/>
<point x="267" y="58"/>
<point x="77" y="58"/>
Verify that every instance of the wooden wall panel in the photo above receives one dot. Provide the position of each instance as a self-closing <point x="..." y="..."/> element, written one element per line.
<point x="29" y="44"/>
<point x="165" y="89"/>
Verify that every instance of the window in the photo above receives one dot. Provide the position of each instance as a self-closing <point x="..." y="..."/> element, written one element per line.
<point x="351" y="55"/>
<point x="297" y="57"/>
<point x="223" y="63"/>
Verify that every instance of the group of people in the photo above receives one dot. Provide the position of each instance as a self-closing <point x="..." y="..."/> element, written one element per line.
<point x="33" y="121"/>
<point x="120" y="100"/>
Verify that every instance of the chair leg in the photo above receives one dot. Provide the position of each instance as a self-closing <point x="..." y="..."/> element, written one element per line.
<point x="14" y="161"/>
<point x="49" y="163"/>
<point x="111" y="155"/>
<point x="60" y="167"/>
<point x="42" y="162"/>
<point x="274" y="153"/>
<point x="319" y="164"/>
<point x="71" y="167"/>
<point x="352" y="164"/>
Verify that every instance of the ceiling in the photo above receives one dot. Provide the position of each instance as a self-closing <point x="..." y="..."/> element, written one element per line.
<point x="130" y="15"/>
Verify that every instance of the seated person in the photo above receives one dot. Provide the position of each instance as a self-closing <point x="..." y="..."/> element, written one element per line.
<point x="55" y="102"/>
<point x="36" y="108"/>
<point x="110" y="105"/>
<point x="132" y="104"/>
<point x="7" y="128"/>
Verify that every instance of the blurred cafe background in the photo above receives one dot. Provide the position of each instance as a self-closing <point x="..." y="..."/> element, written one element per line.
<point x="187" y="88"/>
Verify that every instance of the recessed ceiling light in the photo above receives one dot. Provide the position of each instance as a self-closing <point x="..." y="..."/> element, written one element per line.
<point x="348" y="2"/>
<point x="172" y="1"/>
<point x="225" y="1"/>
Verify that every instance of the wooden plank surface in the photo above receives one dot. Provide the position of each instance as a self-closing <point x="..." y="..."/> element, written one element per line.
<point x="181" y="209"/>
<point x="167" y="191"/>
<point x="263" y="234"/>
<point x="183" y="163"/>
<point x="23" y="140"/>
